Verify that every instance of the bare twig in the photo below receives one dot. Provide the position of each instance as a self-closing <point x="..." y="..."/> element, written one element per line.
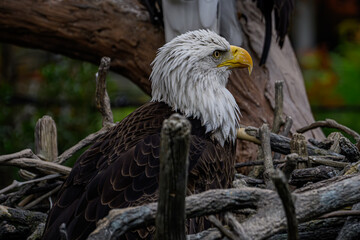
<point x="37" y="233"/>
<point x="279" y="99"/>
<point x="26" y="175"/>
<point x="286" y="198"/>
<point x="256" y="163"/>
<point x="221" y="228"/>
<point x="26" y="153"/>
<point x="16" y="184"/>
<point x="321" y="160"/>
<point x="287" y="126"/>
<point x="327" y="162"/>
<point x="83" y="143"/>
<point x="101" y="97"/>
<point x="341" y="213"/>
<point x="38" y="165"/>
<point x="39" y="199"/>
<point x="209" y="234"/>
<point x="265" y="145"/>
<point x="236" y="227"/>
<point x="331" y="124"/>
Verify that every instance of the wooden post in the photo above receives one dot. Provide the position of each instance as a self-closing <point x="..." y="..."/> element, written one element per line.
<point x="278" y="111"/>
<point x="170" y="217"/>
<point x="45" y="143"/>
<point x="46" y="139"/>
<point x="298" y="145"/>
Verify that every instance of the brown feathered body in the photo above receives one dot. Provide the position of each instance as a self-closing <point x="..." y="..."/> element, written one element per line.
<point x="122" y="169"/>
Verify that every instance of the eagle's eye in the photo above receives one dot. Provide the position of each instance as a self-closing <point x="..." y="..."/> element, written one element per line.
<point x="216" y="54"/>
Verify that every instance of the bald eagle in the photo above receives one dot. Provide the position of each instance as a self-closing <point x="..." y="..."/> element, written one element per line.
<point x="121" y="169"/>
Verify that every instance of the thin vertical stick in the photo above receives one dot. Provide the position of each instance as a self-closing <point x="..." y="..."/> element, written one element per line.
<point x="101" y="96"/>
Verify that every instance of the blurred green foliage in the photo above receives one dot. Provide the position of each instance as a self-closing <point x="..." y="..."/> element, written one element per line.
<point x="65" y="90"/>
<point x="332" y="78"/>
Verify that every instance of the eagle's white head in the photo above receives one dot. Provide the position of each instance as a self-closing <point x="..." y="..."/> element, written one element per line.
<point x="190" y="74"/>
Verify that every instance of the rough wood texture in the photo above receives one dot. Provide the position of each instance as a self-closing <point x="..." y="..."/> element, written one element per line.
<point x="101" y="96"/>
<point x="210" y="202"/>
<point x="281" y="65"/>
<point x="349" y="150"/>
<point x="298" y="146"/>
<point x="266" y="149"/>
<point x="46" y="139"/>
<point x="351" y="228"/>
<point x="291" y="161"/>
<point x="36" y="165"/>
<point x="279" y="100"/>
<point x="325" y="229"/>
<point x="174" y="163"/>
<point x="268" y="220"/>
<point x="286" y="197"/>
<point x="301" y="176"/>
<point x="122" y="30"/>
<point x="308" y="205"/>
<point x="281" y="144"/>
<point x="236" y="227"/>
<point x="19" y="222"/>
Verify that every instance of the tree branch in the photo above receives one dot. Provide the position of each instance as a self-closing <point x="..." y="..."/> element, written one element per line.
<point x="101" y="96"/>
<point x="99" y="28"/>
<point x="36" y="165"/>
<point x="331" y="124"/>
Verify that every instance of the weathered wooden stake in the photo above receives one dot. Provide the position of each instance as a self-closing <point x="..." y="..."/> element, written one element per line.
<point x="278" y="111"/>
<point x="45" y="143"/>
<point x="170" y="217"/>
<point x="46" y="139"/>
<point x="298" y="145"/>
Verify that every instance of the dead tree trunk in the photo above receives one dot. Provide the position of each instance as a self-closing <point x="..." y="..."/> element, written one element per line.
<point x="122" y="30"/>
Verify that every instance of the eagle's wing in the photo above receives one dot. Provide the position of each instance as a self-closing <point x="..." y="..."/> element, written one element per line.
<point x="122" y="169"/>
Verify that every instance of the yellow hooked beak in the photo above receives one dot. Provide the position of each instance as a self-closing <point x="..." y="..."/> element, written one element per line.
<point x="238" y="58"/>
